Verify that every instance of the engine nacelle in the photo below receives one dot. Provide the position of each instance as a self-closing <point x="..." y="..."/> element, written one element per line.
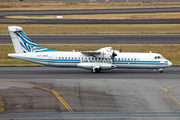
<point x="104" y="54"/>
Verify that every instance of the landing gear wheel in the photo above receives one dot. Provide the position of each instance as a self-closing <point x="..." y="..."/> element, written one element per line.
<point x="94" y="71"/>
<point x="161" y="70"/>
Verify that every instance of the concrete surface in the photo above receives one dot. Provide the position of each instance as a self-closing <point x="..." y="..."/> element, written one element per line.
<point x="99" y="39"/>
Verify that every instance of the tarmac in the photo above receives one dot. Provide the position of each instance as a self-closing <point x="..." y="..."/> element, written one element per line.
<point x="73" y="93"/>
<point x="98" y="39"/>
<point x="46" y="92"/>
<point x="105" y="0"/>
<point x="75" y="12"/>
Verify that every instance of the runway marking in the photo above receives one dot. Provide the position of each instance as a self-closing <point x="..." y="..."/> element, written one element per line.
<point x="165" y="89"/>
<point x="170" y="93"/>
<point x="53" y="91"/>
<point x="172" y="86"/>
<point x="174" y="98"/>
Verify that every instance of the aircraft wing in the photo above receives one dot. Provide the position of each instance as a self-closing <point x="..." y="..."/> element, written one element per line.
<point x="102" y="53"/>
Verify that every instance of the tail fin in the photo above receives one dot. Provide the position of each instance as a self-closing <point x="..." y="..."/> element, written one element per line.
<point x="23" y="44"/>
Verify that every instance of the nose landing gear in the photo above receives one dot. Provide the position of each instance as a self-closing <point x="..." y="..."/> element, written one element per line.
<point x="161" y="70"/>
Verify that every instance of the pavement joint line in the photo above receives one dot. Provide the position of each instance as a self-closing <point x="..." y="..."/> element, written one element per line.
<point x="53" y="91"/>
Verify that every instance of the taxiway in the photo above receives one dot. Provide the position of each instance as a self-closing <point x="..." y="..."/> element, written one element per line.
<point x="77" y="73"/>
<point x="46" y="92"/>
<point x="74" y="12"/>
<point x="98" y="39"/>
<point x="36" y="92"/>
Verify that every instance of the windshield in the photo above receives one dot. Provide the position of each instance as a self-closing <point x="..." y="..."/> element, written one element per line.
<point x="159" y="57"/>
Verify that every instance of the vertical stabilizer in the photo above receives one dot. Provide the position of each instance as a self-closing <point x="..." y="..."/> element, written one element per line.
<point x="23" y="44"/>
<point x="15" y="39"/>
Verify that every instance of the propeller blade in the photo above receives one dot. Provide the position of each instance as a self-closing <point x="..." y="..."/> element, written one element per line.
<point x="113" y="56"/>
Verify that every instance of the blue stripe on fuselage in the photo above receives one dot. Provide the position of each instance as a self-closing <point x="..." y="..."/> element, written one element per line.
<point x="137" y="61"/>
<point x="66" y="60"/>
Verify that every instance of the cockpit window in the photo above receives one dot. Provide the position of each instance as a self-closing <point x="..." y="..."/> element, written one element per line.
<point x="162" y="57"/>
<point x="158" y="57"/>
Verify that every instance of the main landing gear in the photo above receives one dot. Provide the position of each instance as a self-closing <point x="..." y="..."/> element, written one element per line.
<point x="96" y="69"/>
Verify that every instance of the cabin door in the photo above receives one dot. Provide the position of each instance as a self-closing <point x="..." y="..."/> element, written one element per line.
<point x="50" y="60"/>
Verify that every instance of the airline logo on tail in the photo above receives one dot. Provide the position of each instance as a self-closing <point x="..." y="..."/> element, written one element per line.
<point x="27" y="45"/>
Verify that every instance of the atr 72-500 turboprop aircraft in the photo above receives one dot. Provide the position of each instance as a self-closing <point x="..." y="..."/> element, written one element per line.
<point x="96" y="61"/>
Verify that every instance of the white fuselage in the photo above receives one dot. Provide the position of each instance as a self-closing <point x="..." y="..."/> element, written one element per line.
<point x="77" y="59"/>
<point x="102" y="59"/>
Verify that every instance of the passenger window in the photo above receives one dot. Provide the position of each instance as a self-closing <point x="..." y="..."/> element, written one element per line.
<point x="72" y="58"/>
<point x="134" y="59"/>
<point x="131" y="59"/>
<point x="128" y="59"/>
<point x="122" y="58"/>
<point x="59" y="57"/>
<point x="158" y="57"/>
<point x="62" y="57"/>
<point x="125" y="59"/>
<point x="65" y="57"/>
<point x="155" y="57"/>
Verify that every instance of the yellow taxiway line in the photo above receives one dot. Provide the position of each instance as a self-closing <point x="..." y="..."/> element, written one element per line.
<point x="53" y="91"/>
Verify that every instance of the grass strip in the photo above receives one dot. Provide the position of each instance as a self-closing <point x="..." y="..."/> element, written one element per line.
<point x="95" y="29"/>
<point x="170" y="52"/>
<point x="1" y="105"/>
<point x="56" y="5"/>
<point x="134" y="16"/>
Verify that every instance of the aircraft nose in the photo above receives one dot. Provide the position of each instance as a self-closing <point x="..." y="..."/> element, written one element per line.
<point x="169" y="63"/>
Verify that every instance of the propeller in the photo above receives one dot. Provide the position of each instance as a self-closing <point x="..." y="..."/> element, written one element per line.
<point x="113" y="56"/>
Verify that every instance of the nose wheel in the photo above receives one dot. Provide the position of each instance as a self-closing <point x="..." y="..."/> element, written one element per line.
<point x="161" y="70"/>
